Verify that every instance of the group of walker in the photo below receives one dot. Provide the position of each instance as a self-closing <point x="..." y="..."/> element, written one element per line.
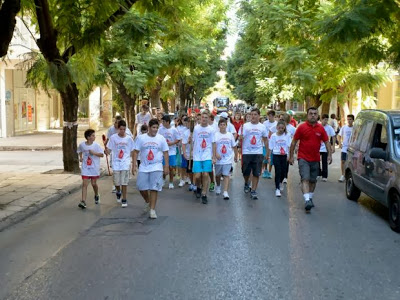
<point x="204" y="151"/>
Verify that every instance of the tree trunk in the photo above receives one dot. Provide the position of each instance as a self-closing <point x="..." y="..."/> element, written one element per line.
<point x="155" y="93"/>
<point x="129" y="105"/>
<point x="70" y="102"/>
<point x="8" y="11"/>
<point x="164" y="105"/>
<point x="325" y="108"/>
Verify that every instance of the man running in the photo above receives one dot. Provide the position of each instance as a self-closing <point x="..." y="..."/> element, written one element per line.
<point x="344" y="140"/>
<point x="310" y="134"/>
<point x="254" y="136"/>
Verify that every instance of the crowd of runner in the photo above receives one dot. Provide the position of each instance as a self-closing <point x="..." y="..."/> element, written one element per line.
<point x="201" y="149"/>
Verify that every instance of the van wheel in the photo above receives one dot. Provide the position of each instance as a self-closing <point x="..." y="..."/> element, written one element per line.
<point x="352" y="192"/>
<point x="394" y="211"/>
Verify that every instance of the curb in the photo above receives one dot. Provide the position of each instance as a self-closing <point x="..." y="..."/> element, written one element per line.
<point x="29" y="148"/>
<point x="35" y="208"/>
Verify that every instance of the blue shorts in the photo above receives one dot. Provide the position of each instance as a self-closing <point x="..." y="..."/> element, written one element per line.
<point x="172" y="161"/>
<point x="343" y="156"/>
<point x="184" y="163"/>
<point x="202" y="166"/>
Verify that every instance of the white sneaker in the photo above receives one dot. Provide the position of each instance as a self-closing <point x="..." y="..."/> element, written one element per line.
<point x="218" y="190"/>
<point x="171" y="186"/>
<point x="188" y="181"/>
<point x="285" y="180"/>
<point x="324" y="179"/>
<point x="114" y="189"/>
<point x="281" y="187"/>
<point x="146" y="207"/>
<point x="278" y="192"/>
<point x="226" y="195"/>
<point x="181" y="183"/>
<point x="153" y="214"/>
<point x="341" y="179"/>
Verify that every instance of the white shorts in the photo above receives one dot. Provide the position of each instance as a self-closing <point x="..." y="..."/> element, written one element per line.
<point x="150" y="181"/>
<point x="224" y="170"/>
<point x="121" y="177"/>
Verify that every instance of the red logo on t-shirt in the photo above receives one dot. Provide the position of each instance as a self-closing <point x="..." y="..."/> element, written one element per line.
<point x="283" y="151"/>
<point x="121" y="154"/>
<point x="150" y="156"/>
<point x="223" y="150"/>
<point x="253" y="140"/>
<point x="203" y="144"/>
<point x="89" y="161"/>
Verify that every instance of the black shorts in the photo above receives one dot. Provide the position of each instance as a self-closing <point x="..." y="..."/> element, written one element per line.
<point x="252" y="163"/>
<point x="309" y="170"/>
<point x="189" y="166"/>
<point x="343" y="156"/>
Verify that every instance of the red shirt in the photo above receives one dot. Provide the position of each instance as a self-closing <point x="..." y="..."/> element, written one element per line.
<point x="293" y="122"/>
<point x="310" y="141"/>
<point x="237" y="124"/>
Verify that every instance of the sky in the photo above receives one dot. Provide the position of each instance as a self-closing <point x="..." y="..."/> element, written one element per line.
<point x="232" y="29"/>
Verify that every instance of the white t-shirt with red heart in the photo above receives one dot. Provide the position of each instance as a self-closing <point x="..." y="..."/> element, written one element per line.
<point x="151" y="150"/>
<point x="90" y="163"/>
<point x="203" y="137"/>
<point x="253" y="135"/>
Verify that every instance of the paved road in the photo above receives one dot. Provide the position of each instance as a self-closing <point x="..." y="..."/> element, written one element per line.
<point x="237" y="249"/>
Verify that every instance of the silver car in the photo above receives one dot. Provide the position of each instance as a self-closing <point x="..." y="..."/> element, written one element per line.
<point x="373" y="160"/>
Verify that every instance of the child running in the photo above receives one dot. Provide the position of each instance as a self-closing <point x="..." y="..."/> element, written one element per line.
<point x="89" y="154"/>
<point x="153" y="149"/>
<point x="279" y="144"/>
<point x="223" y="149"/>
<point x="121" y="146"/>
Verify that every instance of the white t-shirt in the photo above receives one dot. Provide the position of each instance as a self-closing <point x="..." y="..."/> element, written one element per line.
<point x="225" y="143"/>
<point x="330" y="132"/>
<point x="203" y="137"/>
<point x="253" y="138"/>
<point x="112" y="130"/>
<point x="291" y="130"/>
<point x="280" y="144"/>
<point x="90" y="163"/>
<point x="181" y="129"/>
<point x="185" y="140"/>
<point x="268" y="125"/>
<point x="345" y="133"/>
<point x="141" y="120"/>
<point x="171" y="135"/>
<point x="151" y="152"/>
<point x="121" y="148"/>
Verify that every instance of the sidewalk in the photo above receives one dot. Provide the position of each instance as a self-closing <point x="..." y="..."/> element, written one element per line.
<point x="31" y="180"/>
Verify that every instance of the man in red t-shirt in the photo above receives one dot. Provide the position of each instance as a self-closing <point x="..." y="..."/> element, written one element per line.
<point x="310" y="134"/>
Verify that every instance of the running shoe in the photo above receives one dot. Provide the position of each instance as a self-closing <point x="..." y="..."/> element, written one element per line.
<point x="96" y="199"/>
<point x="285" y="180"/>
<point x="171" y="186"/>
<point x="146" y="207"/>
<point x="218" y="190"/>
<point x="246" y="188"/>
<point x="324" y="179"/>
<point x="226" y="195"/>
<point x="265" y="174"/>
<point x="198" y="193"/>
<point x="181" y="183"/>
<point x="188" y="181"/>
<point x="254" y="195"/>
<point x="312" y="203"/>
<point x="204" y="199"/>
<point x="114" y="189"/>
<point x="277" y="192"/>
<point x="82" y="204"/>
<point x="124" y="203"/>
<point x="212" y="187"/>
<point x="269" y="175"/>
<point x="341" y="179"/>
<point x="281" y="187"/>
<point x="119" y="197"/>
<point x="308" y="205"/>
<point x="190" y="187"/>
<point x="153" y="214"/>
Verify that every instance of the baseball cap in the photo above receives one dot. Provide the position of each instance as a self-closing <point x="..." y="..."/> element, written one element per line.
<point x="224" y="115"/>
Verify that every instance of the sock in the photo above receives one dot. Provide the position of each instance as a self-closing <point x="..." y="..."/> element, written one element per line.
<point x="306" y="196"/>
<point x="311" y="195"/>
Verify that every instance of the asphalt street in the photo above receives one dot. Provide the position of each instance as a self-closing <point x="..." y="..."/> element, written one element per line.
<point x="236" y="249"/>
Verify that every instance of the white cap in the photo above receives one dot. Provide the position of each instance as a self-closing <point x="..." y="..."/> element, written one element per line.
<point x="224" y="115"/>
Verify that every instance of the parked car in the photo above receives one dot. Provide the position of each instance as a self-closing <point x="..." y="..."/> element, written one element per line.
<point x="373" y="160"/>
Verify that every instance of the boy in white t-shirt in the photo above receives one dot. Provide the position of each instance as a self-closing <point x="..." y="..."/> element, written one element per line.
<point x="121" y="146"/>
<point x="142" y="118"/>
<point x="323" y="151"/>
<point x="203" y="138"/>
<point x="269" y="123"/>
<point x="89" y="155"/>
<point x="173" y="138"/>
<point x="255" y="137"/>
<point x="153" y="149"/>
<point x="344" y="139"/>
<point x="223" y="149"/>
